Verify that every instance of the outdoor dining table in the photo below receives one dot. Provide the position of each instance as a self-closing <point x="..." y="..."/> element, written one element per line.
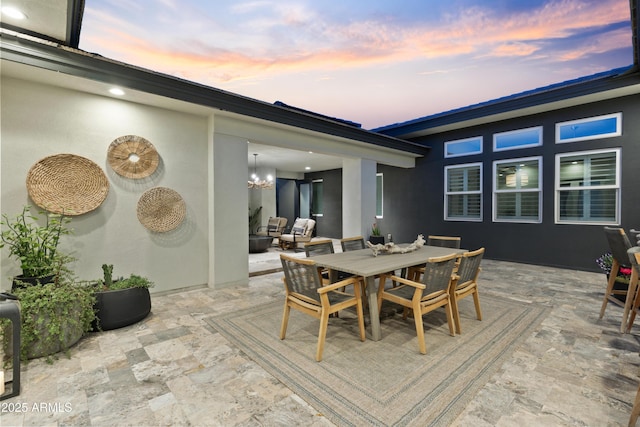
<point x="363" y="263"/>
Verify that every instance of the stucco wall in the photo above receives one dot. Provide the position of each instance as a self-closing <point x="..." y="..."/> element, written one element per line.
<point x="39" y="120"/>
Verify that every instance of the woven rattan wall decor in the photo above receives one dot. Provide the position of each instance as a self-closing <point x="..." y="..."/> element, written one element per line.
<point x="161" y="209"/>
<point x="133" y="157"/>
<point x="67" y="184"/>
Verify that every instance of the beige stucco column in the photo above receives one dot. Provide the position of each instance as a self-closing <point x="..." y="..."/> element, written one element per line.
<point x="358" y="196"/>
<point x="228" y="213"/>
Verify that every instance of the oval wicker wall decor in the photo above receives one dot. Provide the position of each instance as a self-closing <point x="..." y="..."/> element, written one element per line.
<point x="161" y="209"/>
<point x="67" y="184"/>
<point x="133" y="157"/>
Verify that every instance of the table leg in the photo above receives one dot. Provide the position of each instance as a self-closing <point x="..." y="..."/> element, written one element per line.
<point x="374" y="316"/>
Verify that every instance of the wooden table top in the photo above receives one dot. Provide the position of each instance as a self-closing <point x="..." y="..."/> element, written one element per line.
<point x="363" y="263"/>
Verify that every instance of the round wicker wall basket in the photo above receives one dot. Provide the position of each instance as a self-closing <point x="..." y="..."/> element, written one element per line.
<point x="161" y="209"/>
<point x="67" y="184"/>
<point x="133" y="156"/>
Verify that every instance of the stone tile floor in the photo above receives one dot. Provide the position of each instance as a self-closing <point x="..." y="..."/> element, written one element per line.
<point x="173" y="370"/>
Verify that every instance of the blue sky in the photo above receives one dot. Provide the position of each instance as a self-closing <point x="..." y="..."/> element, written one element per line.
<point x="374" y="62"/>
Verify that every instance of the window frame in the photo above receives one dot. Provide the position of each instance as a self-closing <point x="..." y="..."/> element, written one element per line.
<point x="617" y="186"/>
<point x="313" y="197"/>
<point x="516" y="131"/>
<point x="496" y="191"/>
<point x="381" y="192"/>
<point x="461" y="141"/>
<point x="617" y="132"/>
<point x="447" y="193"/>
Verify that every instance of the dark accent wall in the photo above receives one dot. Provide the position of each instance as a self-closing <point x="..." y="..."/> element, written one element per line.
<point x="330" y="223"/>
<point x="414" y="198"/>
<point x="287" y="200"/>
<point x="547" y="243"/>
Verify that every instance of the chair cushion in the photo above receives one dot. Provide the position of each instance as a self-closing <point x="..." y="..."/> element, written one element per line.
<point x="299" y="226"/>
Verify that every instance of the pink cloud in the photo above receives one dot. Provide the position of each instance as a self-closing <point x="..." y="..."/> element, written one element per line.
<point x="315" y="44"/>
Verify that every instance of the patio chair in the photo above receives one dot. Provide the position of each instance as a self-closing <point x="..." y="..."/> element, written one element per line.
<point x="421" y="298"/>
<point x="352" y="243"/>
<point x="635" y="410"/>
<point x="466" y="283"/>
<point x="634" y="237"/>
<point x="444" y="241"/>
<point x="619" y="245"/>
<point x="634" y="257"/>
<point x="301" y="232"/>
<point x="305" y="292"/>
<point x="274" y="228"/>
<point x="320" y="247"/>
<point x="416" y="271"/>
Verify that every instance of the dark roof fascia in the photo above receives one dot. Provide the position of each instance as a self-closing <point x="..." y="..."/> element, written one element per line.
<point x="75" y="13"/>
<point x="635" y="30"/>
<point x="94" y="67"/>
<point x="614" y="79"/>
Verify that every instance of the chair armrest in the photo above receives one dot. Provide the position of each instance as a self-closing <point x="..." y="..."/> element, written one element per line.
<point x="404" y="281"/>
<point x="341" y="284"/>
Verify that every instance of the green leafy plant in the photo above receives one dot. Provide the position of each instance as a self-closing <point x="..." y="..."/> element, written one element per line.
<point x="254" y="218"/>
<point x="109" y="284"/>
<point x="33" y="245"/>
<point x="53" y="315"/>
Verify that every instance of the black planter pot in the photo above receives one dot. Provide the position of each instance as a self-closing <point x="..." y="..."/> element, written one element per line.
<point x="376" y="240"/>
<point x="22" y="281"/>
<point x="119" y="308"/>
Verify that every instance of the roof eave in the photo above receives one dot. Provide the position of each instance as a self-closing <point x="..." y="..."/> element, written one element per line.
<point x="630" y="77"/>
<point x="78" y="63"/>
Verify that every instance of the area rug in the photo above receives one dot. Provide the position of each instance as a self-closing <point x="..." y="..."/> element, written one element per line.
<point x="387" y="382"/>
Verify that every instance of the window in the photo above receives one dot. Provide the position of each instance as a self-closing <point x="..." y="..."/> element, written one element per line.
<point x="591" y="128"/>
<point x="521" y="138"/>
<point x="517" y="194"/>
<point x="588" y="187"/>
<point x="317" y="196"/>
<point x="463" y="194"/>
<point x="379" y="193"/>
<point x="463" y="147"/>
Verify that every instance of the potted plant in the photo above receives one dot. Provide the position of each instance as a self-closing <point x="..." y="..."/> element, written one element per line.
<point x="33" y="245"/>
<point x="55" y="309"/>
<point x="375" y="236"/>
<point x="120" y="302"/>
<point x="54" y="315"/>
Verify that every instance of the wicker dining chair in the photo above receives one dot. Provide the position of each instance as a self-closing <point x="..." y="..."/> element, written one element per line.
<point x="619" y="245"/>
<point x="305" y="292"/>
<point x="421" y="298"/>
<point x="414" y="273"/>
<point x="320" y="247"/>
<point x="352" y="243"/>
<point x="466" y="283"/>
<point x="634" y="257"/>
<point x="444" y="241"/>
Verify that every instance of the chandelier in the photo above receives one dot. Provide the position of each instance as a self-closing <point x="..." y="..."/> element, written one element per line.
<point x="255" y="181"/>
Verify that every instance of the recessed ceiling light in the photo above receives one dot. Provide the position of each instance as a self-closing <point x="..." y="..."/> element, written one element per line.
<point x="13" y="12"/>
<point x="307" y="168"/>
<point x="116" y="91"/>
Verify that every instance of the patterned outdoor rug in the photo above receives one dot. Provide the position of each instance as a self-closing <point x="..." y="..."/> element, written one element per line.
<point x="386" y="382"/>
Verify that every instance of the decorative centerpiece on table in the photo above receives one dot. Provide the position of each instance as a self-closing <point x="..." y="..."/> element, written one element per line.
<point x="392" y="248"/>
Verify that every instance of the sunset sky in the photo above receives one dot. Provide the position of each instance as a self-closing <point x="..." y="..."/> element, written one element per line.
<point x="375" y="62"/>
